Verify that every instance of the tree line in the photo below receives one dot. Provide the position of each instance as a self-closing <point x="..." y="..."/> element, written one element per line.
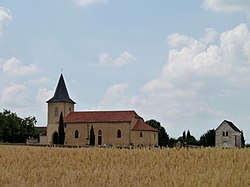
<point x="206" y="140"/>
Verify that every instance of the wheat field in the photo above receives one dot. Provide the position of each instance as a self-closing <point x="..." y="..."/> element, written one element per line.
<point x="50" y="166"/>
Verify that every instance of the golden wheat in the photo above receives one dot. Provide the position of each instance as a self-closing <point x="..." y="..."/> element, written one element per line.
<point x="47" y="166"/>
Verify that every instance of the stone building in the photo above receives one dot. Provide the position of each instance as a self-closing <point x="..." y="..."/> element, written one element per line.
<point x="116" y="128"/>
<point x="227" y="135"/>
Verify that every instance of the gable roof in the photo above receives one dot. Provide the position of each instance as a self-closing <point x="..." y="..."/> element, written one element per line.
<point x="61" y="93"/>
<point x="101" y="116"/>
<point x="231" y="125"/>
<point x="142" y="126"/>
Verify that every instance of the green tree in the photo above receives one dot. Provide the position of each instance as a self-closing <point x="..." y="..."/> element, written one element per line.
<point x="61" y="133"/>
<point x="184" y="135"/>
<point x="172" y="142"/>
<point x="14" y="129"/>
<point x="188" y="135"/>
<point x="187" y="139"/>
<point x="208" y="139"/>
<point x="92" y="136"/>
<point x="163" y="137"/>
<point x="242" y="139"/>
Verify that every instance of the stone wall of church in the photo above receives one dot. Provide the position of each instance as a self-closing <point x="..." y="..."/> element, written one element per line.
<point x="144" y="138"/>
<point x="105" y="133"/>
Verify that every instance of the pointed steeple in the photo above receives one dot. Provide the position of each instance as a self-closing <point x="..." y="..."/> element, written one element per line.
<point x="61" y="93"/>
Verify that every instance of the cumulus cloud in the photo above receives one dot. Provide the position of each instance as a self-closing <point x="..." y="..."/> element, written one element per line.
<point x="85" y="3"/>
<point x="122" y="60"/>
<point x="5" y="18"/>
<point x="227" y="5"/>
<point x="116" y="90"/>
<point x="43" y="95"/>
<point x="14" y="67"/>
<point x="14" y="95"/>
<point x="197" y="87"/>
<point x="198" y="74"/>
<point x="116" y="96"/>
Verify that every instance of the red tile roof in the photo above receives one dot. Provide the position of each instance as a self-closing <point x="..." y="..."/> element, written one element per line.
<point x="101" y="116"/>
<point x="142" y="126"/>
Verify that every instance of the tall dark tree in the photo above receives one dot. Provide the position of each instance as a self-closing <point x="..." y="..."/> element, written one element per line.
<point x="188" y="135"/>
<point x="61" y="133"/>
<point x="92" y="136"/>
<point x="242" y="139"/>
<point x="188" y="139"/>
<point x="208" y="139"/>
<point x="163" y="137"/>
<point x="184" y="135"/>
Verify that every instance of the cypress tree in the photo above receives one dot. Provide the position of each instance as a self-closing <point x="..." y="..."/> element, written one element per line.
<point x="92" y="136"/>
<point x="61" y="133"/>
<point x="188" y="135"/>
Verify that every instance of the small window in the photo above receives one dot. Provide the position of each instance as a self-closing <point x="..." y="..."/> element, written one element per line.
<point x="119" y="133"/>
<point x="65" y="125"/>
<point x="141" y="134"/>
<point x="70" y="109"/>
<point x="99" y="132"/>
<point x="76" y="134"/>
<point x="154" y="135"/>
<point x="223" y="133"/>
<point x="56" y="111"/>
<point x="226" y="133"/>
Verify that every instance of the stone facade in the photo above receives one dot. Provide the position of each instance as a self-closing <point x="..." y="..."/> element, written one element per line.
<point x="112" y="133"/>
<point x="227" y="135"/>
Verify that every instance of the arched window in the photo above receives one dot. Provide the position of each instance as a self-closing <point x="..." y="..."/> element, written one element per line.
<point x="99" y="132"/>
<point x="56" y="111"/>
<point x="119" y="133"/>
<point x="223" y="133"/>
<point x="226" y="133"/>
<point x="76" y="134"/>
<point x="141" y="134"/>
<point x="99" y="137"/>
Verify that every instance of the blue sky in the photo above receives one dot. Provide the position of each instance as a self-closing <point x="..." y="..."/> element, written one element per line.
<point x="183" y="63"/>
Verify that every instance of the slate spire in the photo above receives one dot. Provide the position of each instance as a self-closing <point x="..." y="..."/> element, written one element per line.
<point x="61" y="93"/>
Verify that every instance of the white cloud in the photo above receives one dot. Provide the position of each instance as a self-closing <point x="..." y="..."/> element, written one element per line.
<point x="116" y="90"/>
<point x="177" y="40"/>
<point x="227" y="5"/>
<point x="14" y="95"/>
<point x="122" y="60"/>
<point x="85" y="3"/>
<point x="116" y="97"/>
<point x="199" y="85"/>
<point x="14" y="67"/>
<point x="44" y="95"/>
<point x="5" y="18"/>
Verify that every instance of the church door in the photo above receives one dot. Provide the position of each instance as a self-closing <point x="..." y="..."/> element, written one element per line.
<point x="100" y="137"/>
<point x="55" y="138"/>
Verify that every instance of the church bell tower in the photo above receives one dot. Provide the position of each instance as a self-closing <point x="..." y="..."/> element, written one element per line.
<point x="59" y="103"/>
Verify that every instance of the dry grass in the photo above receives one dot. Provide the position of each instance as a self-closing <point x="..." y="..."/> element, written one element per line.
<point x="44" y="166"/>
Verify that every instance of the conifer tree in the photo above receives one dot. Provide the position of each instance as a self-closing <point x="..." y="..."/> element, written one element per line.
<point x="188" y="135"/>
<point x="184" y="135"/>
<point x="92" y="136"/>
<point x="61" y="133"/>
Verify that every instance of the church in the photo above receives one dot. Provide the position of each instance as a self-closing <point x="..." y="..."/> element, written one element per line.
<point x="119" y="128"/>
